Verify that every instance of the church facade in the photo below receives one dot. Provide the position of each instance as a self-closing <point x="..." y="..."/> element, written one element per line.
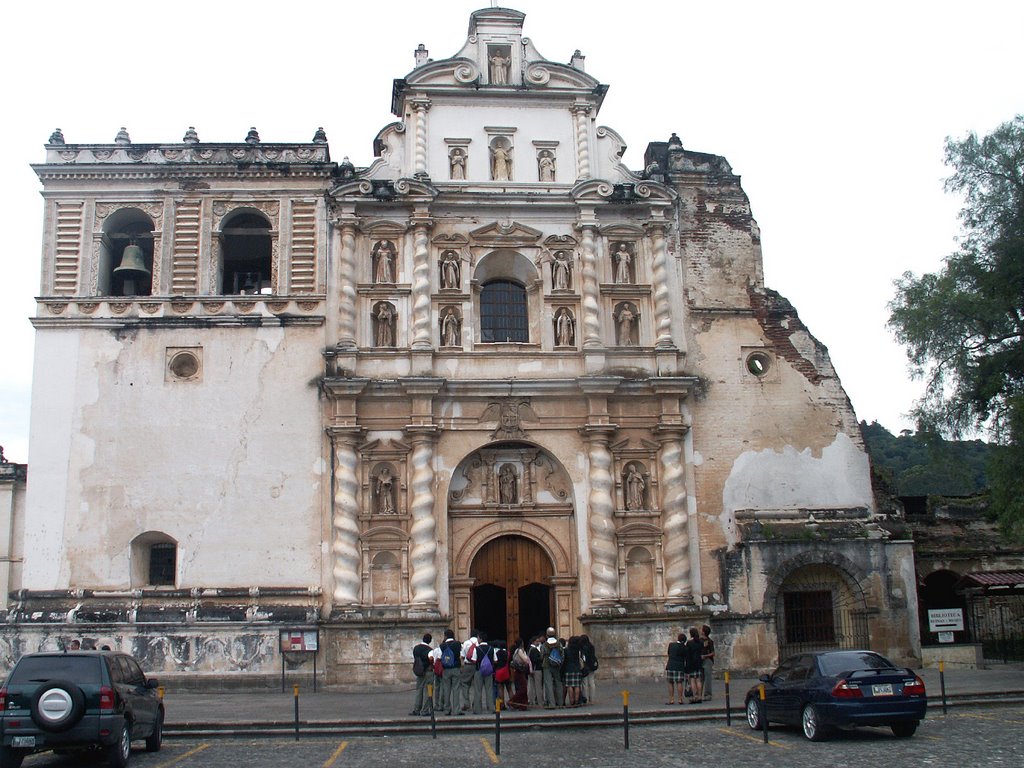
<point x="287" y="407"/>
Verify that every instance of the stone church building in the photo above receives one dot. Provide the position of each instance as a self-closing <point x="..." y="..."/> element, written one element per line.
<point x="496" y="379"/>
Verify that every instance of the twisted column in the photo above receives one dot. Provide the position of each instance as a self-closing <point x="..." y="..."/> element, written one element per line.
<point x="676" y="527"/>
<point x="345" y="522"/>
<point x="423" y="553"/>
<point x="603" y="571"/>
<point x="662" y="310"/>
<point x="421" y="330"/>
<point x="347" y="286"/>
<point x="591" y="322"/>
<point x="581" y="114"/>
<point x="421" y="106"/>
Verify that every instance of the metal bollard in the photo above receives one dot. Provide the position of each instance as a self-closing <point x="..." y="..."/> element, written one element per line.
<point x="942" y="685"/>
<point x="160" y="691"/>
<point x="433" y="717"/>
<point x="728" y="711"/>
<point x="625" y="718"/>
<point x="296" y="691"/>
<point x="764" y="711"/>
<point x="497" y="726"/>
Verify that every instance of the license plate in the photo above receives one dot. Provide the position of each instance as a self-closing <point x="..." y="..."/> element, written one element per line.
<point x="23" y="741"/>
<point x="881" y="690"/>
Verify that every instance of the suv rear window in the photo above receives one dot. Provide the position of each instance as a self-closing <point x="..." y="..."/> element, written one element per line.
<point x="79" y="669"/>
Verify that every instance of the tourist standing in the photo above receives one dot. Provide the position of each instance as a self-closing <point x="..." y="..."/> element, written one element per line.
<point x="707" y="659"/>
<point x="675" y="669"/>
<point x="423" y="669"/>
<point x="450" y="663"/>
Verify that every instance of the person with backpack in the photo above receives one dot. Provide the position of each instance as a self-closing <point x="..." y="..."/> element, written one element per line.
<point x="551" y="665"/>
<point x="483" y="680"/>
<point x="502" y="672"/>
<point x="536" y="683"/>
<point x="587" y="695"/>
<point x="468" y="670"/>
<point x="423" y="670"/>
<point x="521" y="671"/>
<point x="450" y="664"/>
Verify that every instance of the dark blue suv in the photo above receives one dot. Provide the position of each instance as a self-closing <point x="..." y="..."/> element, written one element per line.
<point x="81" y="699"/>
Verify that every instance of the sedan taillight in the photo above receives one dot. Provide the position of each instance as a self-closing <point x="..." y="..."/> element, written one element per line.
<point x="106" y="698"/>
<point x="913" y="687"/>
<point x="845" y="690"/>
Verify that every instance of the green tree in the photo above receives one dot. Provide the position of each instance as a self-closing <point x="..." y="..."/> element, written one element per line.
<point x="964" y="325"/>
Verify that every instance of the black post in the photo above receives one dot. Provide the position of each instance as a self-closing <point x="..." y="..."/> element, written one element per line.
<point x="282" y="673"/>
<point x="625" y="718"/>
<point x="497" y="726"/>
<point x="296" y="713"/>
<point x="314" y="670"/>
<point x="942" y="685"/>
<point x="764" y="712"/>
<point x="433" y="717"/>
<point x="728" y="712"/>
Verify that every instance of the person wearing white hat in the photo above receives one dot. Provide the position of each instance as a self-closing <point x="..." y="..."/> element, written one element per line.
<point x="551" y="665"/>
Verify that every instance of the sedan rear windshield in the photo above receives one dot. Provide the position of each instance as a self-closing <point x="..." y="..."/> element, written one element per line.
<point x="850" y="661"/>
<point x="81" y="670"/>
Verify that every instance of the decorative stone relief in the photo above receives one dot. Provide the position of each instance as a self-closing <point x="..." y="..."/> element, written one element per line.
<point x="451" y="328"/>
<point x="561" y="271"/>
<point x="626" y="321"/>
<point x="508" y="484"/>
<point x="384" y="493"/>
<point x="622" y="260"/>
<point x="545" y="166"/>
<point x="499" y="58"/>
<point x="501" y="159"/>
<point x="457" y="159"/>
<point x="384" y="258"/>
<point x="509" y="414"/>
<point x="635" y="487"/>
<point x="384" y="316"/>
<point x="451" y="271"/>
<point x="565" y="328"/>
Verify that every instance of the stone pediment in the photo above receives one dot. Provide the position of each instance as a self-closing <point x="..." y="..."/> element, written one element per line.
<point x="511" y="233"/>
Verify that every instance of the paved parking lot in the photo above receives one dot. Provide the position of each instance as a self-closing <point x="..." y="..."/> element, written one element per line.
<point x="979" y="736"/>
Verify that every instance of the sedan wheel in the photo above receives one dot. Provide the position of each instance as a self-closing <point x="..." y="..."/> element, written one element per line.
<point x="813" y="729"/>
<point x="904" y="730"/>
<point x="754" y="714"/>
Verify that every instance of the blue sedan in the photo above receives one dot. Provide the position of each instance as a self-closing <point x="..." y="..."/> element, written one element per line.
<point x="827" y="689"/>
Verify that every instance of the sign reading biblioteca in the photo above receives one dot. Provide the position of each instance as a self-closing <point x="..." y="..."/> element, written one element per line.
<point x="946" y="620"/>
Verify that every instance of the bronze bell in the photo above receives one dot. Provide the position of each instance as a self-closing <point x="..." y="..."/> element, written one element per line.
<point x="133" y="261"/>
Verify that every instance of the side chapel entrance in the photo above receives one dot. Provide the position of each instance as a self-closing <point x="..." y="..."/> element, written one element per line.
<point x="512" y="596"/>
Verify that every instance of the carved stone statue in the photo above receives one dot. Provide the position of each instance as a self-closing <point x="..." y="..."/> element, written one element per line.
<point x="384" y="257"/>
<point x="385" y="316"/>
<point x="561" y="268"/>
<point x="499" y="68"/>
<point x="565" y="329"/>
<point x="451" y="271"/>
<point x="451" y="329"/>
<point x="546" y="166"/>
<point x="508" y="485"/>
<point x="501" y="163"/>
<point x="626" y="319"/>
<point x="635" y="487"/>
<point x="623" y="259"/>
<point x="457" y="160"/>
<point x="385" y="501"/>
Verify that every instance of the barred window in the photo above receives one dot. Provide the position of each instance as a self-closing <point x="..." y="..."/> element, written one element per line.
<point x="503" y="312"/>
<point x="162" y="562"/>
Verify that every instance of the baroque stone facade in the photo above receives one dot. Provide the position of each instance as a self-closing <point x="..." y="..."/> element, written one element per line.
<point x="496" y="379"/>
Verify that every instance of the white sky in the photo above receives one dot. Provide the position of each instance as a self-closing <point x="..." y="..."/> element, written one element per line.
<point x="833" y="113"/>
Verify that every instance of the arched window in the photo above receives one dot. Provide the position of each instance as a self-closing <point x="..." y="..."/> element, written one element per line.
<point x="154" y="560"/>
<point x="126" y="254"/>
<point x="504" y="314"/>
<point x="246" y="249"/>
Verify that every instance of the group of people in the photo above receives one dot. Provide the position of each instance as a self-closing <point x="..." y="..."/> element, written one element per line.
<point x="453" y="678"/>
<point x="689" y="667"/>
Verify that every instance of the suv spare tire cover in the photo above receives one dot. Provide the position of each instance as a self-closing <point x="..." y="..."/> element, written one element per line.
<point x="57" y="705"/>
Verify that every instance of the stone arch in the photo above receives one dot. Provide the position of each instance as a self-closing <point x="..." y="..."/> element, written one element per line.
<point x="855" y="576"/>
<point x="553" y="548"/>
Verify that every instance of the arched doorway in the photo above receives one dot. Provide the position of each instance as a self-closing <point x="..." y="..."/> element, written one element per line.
<point x="938" y="591"/>
<point x="818" y="609"/>
<point x="512" y="595"/>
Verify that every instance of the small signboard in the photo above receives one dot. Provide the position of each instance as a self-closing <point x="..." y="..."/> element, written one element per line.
<point x="298" y="640"/>
<point x="945" y="637"/>
<point x="945" y="620"/>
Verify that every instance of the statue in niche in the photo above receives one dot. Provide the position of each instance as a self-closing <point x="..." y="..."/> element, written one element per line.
<point x="499" y="67"/>
<point x="385" y="500"/>
<point x="501" y="163"/>
<point x="625" y="320"/>
<point x="623" y="260"/>
<point x="508" y="485"/>
<point x="384" y="255"/>
<point x="451" y="329"/>
<point x="546" y="166"/>
<point x="457" y="161"/>
<point x="565" y="329"/>
<point x="561" y="269"/>
<point x="385" y="317"/>
<point x="635" y="489"/>
<point x="451" y="271"/>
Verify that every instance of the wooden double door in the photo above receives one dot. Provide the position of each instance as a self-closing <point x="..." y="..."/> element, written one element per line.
<point x="512" y="594"/>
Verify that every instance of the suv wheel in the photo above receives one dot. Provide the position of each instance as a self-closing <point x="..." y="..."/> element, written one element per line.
<point x="120" y="751"/>
<point x="155" y="739"/>
<point x="11" y="758"/>
<point x="57" y="705"/>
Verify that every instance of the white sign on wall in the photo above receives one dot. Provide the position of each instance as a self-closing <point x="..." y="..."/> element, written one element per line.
<point x="946" y="620"/>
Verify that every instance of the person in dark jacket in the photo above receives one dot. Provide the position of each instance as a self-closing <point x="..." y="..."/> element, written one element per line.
<point x="572" y="671"/>
<point x="694" y="663"/>
<point x="421" y="662"/>
<point x="675" y="669"/>
<point x="589" y="692"/>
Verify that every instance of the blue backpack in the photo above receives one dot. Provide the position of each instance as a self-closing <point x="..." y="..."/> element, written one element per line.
<point x="448" y="658"/>
<point x="555" y="657"/>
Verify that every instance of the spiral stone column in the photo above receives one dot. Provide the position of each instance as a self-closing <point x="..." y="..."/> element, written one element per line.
<point x="347" y="286"/>
<point x="603" y="570"/>
<point x="421" y="106"/>
<point x="345" y="544"/>
<point x="421" y="304"/>
<point x="676" y="528"/>
<point x="662" y="310"/>
<point x="591" y="321"/>
<point x="581" y="115"/>
<point x="423" y="531"/>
